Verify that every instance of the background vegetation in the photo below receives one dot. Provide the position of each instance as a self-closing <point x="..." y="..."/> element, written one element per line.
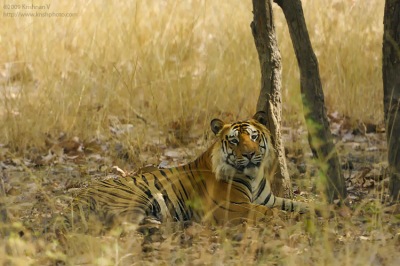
<point x="173" y="61"/>
<point x="126" y="79"/>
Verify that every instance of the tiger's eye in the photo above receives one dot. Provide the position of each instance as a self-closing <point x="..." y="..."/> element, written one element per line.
<point x="234" y="141"/>
<point x="254" y="137"/>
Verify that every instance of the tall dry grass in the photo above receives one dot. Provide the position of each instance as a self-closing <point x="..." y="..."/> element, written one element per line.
<point x="172" y="61"/>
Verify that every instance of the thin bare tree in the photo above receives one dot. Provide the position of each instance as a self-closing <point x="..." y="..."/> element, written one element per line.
<point x="391" y="91"/>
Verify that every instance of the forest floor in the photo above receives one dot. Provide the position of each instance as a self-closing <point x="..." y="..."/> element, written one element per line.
<point x="35" y="191"/>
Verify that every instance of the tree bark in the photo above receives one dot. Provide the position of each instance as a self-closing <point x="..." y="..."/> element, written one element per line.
<point x="319" y="135"/>
<point x="269" y="100"/>
<point x="391" y="91"/>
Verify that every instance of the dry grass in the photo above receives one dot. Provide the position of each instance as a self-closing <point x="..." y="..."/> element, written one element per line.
<point x="176" y="64"/>
<point x="173" y="61"/>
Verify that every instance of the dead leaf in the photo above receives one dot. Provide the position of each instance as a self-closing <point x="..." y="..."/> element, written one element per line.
<point x="344" y="211"/>
<point x="117" y="170"/>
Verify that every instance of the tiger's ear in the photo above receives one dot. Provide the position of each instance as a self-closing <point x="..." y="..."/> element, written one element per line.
<point x="261" y="117"/>
<point x="216" y="125"/>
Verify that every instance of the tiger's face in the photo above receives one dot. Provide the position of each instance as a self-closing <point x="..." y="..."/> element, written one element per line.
<point x="243" y="148"/>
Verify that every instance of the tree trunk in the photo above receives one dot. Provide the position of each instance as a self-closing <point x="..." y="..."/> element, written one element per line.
<point x="269" y="100"/>
<point x="391" y="91"/>
<point x="319" y="134"/>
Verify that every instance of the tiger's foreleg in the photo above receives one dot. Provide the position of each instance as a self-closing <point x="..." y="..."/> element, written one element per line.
<point x="287" y="205"/>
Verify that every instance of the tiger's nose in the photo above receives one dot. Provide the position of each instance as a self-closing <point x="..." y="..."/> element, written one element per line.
<point x="249" y="155"/>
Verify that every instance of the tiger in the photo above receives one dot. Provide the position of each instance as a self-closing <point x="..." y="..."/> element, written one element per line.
<point x="229" y="182"/>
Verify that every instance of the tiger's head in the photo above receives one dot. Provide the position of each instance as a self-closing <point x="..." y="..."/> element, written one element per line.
<point x="243" y="148"/>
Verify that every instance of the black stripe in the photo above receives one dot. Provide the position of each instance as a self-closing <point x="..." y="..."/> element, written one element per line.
<point x="119" y="186"/>
<point x="283" y="205"/>
<point x="151" y="203"/>
<point x="144" y="179"/>
<point x="261" y="188"/>
<point x="267" y="199"/>
<point x="238" y="203"/>
<point x="184" y="189"/>
<point x="179" y="196"/>
<point x="243" y="182"/>
<point x="145" y="190"/>
<point x="241" y="189"/>
<point x="197" y="186"/>
<point x="167" y="200"/>
<point x="224" y="143"/>
<point x="246" y="193"/>
<point x="191" y="177"/>
<point x="185" y="213"/>
<point x="220" y="206"/>
<point x="154" y="207"/>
